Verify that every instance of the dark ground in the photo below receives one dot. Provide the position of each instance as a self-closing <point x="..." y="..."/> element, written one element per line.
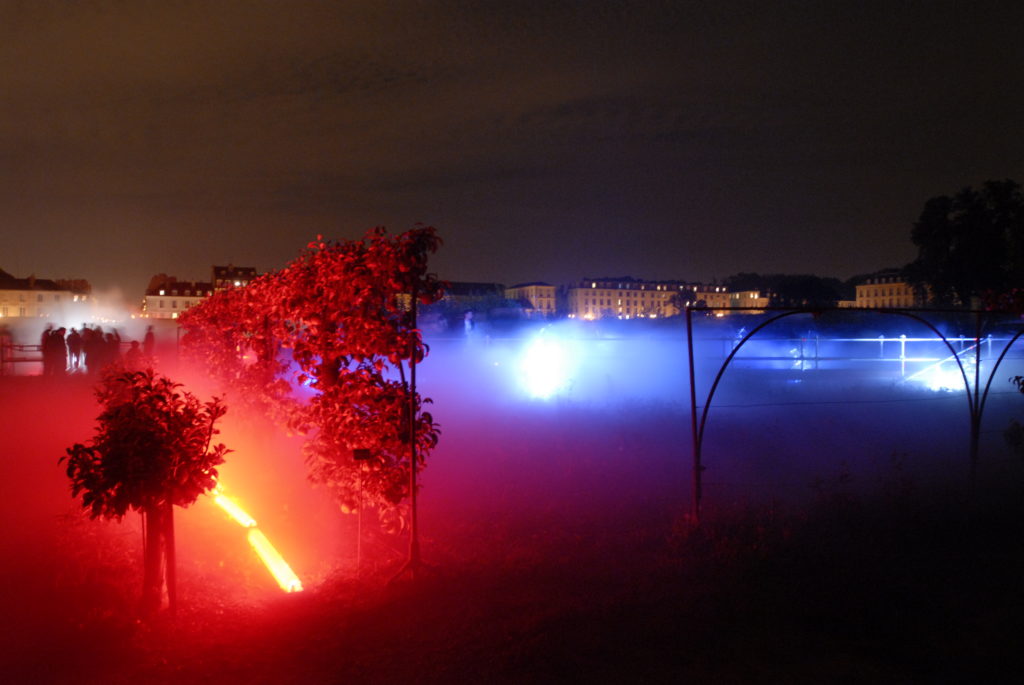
<point x="582" y="572"/>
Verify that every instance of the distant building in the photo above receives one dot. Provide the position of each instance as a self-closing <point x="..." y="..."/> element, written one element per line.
<point x="626" y="297"/>
<point x="469" y="295"/>
<point x="231" y="276"/>
<point x="713" y="296"/>
<point x="749" y="298"/>
<point x="39" y="297"/>
<point x="886" y="289"/>
<point x="538" y="299"/>
<point x="167" y="297"/>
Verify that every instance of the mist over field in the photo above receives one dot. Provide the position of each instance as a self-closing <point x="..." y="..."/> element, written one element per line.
<point x="561" y="442"/>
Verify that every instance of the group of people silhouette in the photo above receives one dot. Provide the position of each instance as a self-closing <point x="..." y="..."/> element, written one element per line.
<point x="89" y="349"/>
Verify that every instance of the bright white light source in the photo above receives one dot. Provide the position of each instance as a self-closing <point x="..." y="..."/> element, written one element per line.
<point x="944" y="376"/>
<point x="544" y="367"/>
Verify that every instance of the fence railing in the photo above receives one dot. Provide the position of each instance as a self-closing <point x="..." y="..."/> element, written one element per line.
<point x="11" y="354"/>
<point x="816" y="352"/>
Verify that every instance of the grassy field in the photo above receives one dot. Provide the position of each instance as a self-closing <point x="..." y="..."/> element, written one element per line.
<point x="575" y="574"/>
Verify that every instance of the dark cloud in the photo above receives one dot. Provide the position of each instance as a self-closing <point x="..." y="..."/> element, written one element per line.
<point x="547" y="140"/>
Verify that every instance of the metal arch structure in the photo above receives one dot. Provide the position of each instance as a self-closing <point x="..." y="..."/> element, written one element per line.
<point x="976" y="397"/>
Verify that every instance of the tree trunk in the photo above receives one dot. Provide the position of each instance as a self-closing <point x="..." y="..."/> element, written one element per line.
<point x="170" y="556"/>
<point x="153" y="572"/>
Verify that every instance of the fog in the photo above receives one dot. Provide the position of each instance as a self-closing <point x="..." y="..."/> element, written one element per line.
<point x="560" y="429"/>
<point x="801" y="406"/>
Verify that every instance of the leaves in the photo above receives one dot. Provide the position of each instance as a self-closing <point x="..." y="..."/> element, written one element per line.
<point x="970" y="244"/>
<point x="333" y="321"/>
<point x="152" y="446"/>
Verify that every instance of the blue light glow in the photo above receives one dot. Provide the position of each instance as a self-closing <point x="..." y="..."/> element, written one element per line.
<point x="545" y="367"/>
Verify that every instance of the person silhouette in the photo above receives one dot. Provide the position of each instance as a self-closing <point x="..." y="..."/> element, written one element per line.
<point x="133" y="358"/>
<point x="74" y="341"/>
<point x="149" y="342"/>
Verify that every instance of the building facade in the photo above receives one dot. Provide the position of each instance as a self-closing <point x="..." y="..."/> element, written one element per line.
<point x="628" y="298"/>
<point x="538" y="298"/>
<point x="886" y="290"/>
<point x="749" y="298"/>
<point x="167" y="297"/>
<point x="712" y="296"/>
<point x="40" y="297"/>
<point x="232" y="276"/>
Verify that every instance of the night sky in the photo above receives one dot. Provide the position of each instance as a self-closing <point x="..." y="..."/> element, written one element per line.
<point x="546" y="140"/>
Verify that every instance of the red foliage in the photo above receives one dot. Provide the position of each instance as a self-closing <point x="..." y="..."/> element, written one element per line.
<point x="1011" y="300"/>
<point x="337" y="311"/>
<point x="152" y="447"/>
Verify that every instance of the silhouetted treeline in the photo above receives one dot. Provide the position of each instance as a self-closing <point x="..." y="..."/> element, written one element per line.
<point x="970" y="244"/>
<point x="793" y="290"/>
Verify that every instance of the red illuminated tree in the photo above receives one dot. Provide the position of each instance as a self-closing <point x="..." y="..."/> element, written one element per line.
<point x="152" y="451"/>
<point x="335" y="320"/>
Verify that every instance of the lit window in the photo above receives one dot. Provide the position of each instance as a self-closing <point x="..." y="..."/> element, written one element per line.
<point x="161" y="293"/>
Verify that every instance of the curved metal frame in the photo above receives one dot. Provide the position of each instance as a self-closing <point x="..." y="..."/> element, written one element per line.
<point x="992" y="374"/>
<point x="975" y="399"/>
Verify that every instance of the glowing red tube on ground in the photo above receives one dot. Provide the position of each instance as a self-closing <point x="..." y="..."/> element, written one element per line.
<point x="234" y="511"/>
<point x="271" y="558"/>
<point x="274" y="562"/>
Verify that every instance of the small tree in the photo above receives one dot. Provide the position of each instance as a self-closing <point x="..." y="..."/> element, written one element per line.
<point x="152" y="450"/>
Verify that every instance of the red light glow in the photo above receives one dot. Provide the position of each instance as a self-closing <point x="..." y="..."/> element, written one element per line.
<point x="274" y="562"/>
<point x="234" y="511"/>
<point x="271" y="558"/>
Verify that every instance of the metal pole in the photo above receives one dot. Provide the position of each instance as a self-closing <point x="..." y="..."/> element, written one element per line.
<point x="903" y="355"/>
<point x="414" y="541"/>
<point x="976" y="408"/>
<point x="171" y="558"/>
<point x="697" y="468"/>
<point x="413" y="562"/>
<point x="359" y="524"/>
